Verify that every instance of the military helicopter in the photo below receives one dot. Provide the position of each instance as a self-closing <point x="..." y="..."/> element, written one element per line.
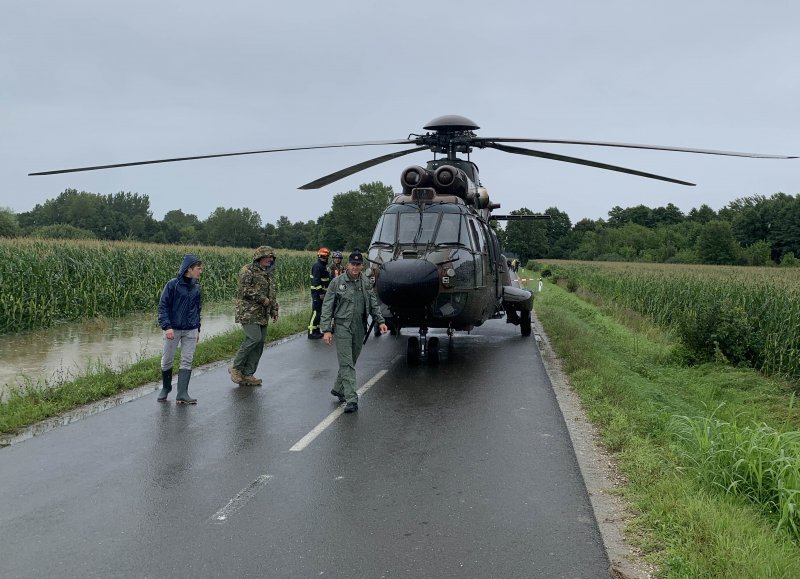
<point x="435" y="259"/>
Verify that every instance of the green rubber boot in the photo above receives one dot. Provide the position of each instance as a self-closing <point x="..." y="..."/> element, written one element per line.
<point x="166" y="380"/>
<point x="183" y="388"/>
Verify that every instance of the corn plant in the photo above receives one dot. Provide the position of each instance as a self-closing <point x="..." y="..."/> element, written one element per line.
<point x="745" y="315"/>
<point x="43" y="282"/>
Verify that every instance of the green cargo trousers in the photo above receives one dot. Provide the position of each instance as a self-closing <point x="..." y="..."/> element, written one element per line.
<point x="349" y="341"/>
<point x="246" y="360"/>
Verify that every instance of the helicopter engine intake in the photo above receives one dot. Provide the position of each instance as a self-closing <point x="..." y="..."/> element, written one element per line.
<point x="449" y="179"/>
<point x="415" y="177"/>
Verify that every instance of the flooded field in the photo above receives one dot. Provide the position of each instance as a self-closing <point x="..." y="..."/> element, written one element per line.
<point x="67" y="351"/>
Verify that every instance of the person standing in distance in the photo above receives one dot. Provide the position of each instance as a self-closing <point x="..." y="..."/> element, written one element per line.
<point x="348" y="302"/>
<point x="320" y="278"/>
<point x="179" y="317"/>
<point x="256" y="303"/>
<point x="336" y="267"/>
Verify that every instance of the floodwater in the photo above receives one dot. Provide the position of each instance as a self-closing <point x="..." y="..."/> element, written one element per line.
<point x="68" y="351"/>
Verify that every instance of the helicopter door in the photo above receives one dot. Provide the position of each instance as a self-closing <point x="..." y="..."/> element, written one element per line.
<point x="493" y="253"/>
<point x="497" y="263"/>
<point x="479" y="243"/>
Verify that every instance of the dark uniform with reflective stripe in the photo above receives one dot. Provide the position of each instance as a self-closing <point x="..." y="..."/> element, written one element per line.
<point x="320" y="278"/>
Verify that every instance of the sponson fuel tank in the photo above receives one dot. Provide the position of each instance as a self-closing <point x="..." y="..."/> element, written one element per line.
<point x="408" y="284"/>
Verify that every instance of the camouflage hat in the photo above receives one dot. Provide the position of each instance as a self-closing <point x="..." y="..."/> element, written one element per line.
<point x="263" y="251"/>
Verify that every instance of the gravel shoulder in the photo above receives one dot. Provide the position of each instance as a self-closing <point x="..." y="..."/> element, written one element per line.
<point x="598" y="469"/>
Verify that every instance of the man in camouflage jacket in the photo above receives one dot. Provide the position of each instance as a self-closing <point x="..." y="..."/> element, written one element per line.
<point x="256" y="304"/>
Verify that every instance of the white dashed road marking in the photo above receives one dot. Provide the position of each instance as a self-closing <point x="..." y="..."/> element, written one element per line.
<point x="320" y="428"/>
<point x="239" y="500"/>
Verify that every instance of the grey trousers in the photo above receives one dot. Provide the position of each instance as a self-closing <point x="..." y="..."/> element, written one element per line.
<point x="187" y="340"/>
<point x="246" y="360"/>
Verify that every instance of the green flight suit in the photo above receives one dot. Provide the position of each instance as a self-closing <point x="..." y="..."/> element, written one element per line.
<point x="347" y="304"/>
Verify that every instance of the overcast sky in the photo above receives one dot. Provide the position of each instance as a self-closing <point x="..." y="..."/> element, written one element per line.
<point x="91" y="82"/>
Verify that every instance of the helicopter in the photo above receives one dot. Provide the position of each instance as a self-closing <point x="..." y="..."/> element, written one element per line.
<point x="435" y="259"/>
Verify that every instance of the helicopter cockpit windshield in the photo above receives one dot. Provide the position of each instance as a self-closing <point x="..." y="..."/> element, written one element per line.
<point x="407" y="224"/>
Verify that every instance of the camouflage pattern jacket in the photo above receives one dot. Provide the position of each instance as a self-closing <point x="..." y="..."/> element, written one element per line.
<point x="255" y="284"/>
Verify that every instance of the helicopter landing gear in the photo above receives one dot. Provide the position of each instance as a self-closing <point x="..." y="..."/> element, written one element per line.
<point x="421" y="348"/>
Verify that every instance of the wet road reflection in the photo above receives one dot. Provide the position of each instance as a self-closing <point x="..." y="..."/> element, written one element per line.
<point x="67" y="351"/>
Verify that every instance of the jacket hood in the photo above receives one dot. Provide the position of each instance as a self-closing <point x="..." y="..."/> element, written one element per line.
<point x="188" y="260"/>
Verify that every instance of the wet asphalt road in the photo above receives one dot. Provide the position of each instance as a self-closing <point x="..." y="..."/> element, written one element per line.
<point x="462" y="470"/>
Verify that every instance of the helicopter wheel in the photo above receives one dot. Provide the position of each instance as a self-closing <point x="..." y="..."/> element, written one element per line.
<point x="412" y="353"/>
<point x="433" y="351"/>
<point x="525" y="323"/>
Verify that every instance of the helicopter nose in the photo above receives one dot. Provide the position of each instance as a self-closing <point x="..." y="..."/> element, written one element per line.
<point x="408" y="283"/>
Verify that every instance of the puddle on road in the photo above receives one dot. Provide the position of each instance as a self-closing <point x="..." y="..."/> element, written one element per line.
<point x="67" y="351"/>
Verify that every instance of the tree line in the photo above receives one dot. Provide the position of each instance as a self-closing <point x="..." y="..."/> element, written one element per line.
<point x="755" y="230"/>
<point x="127" y="216"/>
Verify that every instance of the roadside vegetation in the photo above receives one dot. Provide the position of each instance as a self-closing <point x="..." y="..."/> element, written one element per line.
<point x="28" y="405"/>
<point x="744" y="316"/>
<point x="709" y="447"/>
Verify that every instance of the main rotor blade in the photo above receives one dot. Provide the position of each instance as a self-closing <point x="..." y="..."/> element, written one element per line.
<point x="486" y="142"/>
<point x="543" y="155"/>
<point x="330" y="146"/>
<point x="328" y="179"/>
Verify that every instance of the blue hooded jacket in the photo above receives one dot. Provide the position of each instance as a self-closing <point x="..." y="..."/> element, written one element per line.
<point x="181" y="300"/>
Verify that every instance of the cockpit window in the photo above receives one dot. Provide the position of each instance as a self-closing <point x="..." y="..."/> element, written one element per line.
<point x="385" y="230"/>
<point x="417" y="227"/>
<point x="450" y="229"/>
<point x="408" y="224"/>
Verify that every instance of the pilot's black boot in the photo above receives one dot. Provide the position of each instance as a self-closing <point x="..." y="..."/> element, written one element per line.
<point x="183" y="388"/>
<point x="166" y="388"/>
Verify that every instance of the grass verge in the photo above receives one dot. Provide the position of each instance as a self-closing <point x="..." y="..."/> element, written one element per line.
<point x="637" y="390"/>
<point x="29" y="405"/>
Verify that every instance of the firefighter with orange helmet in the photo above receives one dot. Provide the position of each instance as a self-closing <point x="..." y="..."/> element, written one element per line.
<point x="320" y="278"/>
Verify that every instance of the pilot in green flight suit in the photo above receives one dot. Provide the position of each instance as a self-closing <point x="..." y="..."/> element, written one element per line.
<point x="347" y="303"/>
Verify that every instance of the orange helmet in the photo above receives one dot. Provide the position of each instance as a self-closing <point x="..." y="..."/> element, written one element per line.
<point x="323" y="252"/>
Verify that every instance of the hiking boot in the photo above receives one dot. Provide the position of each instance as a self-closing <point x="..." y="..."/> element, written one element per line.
<point x="236" y="375"/>
<point x="351" y="407"/>
<point x="338" y="395"/>
<point x="315" y="336"/>
<point x="251" y="381"/>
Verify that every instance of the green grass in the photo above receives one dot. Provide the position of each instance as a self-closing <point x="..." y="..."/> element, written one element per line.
<point x="635" y="387"/>
<point x="31" y="404"/>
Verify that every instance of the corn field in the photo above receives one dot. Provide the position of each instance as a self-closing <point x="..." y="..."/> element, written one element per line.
<point x="748" y="315"/>
<point x="44" y="282"/>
